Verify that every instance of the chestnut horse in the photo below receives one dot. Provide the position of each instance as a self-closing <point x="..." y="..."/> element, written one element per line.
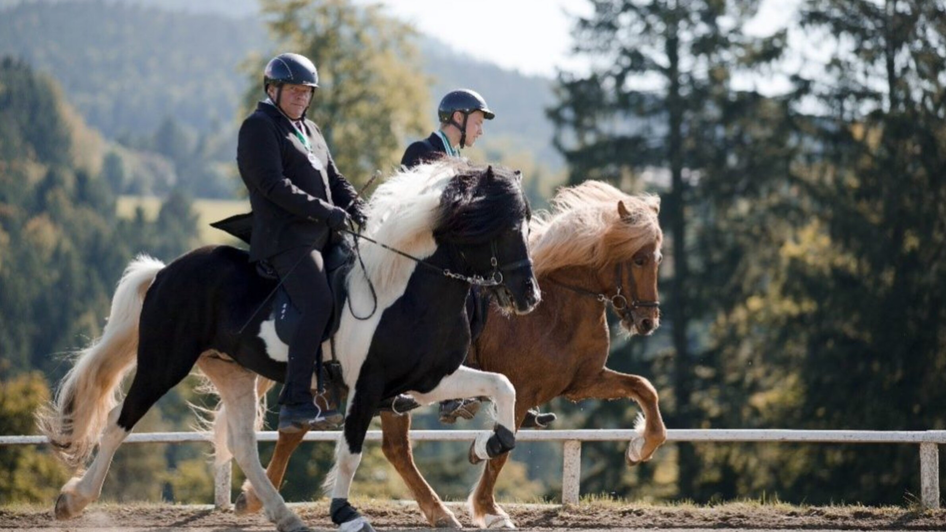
<point x="598" y="247"/>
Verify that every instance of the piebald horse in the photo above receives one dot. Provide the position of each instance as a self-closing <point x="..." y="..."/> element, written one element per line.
<point x="598" y="248"/>
<point x="404" y="329"/>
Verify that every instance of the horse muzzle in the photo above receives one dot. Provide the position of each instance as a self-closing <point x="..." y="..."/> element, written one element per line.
<point x="521" y="301"/>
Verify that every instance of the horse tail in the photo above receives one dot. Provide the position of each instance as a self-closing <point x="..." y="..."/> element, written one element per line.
<point x="73" y="421"/>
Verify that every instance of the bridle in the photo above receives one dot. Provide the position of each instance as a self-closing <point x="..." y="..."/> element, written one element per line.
<point x="495" y="278"/>
<point x="618" y="301"/>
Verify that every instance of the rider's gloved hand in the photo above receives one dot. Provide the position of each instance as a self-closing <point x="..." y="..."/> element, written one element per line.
<point x="337" y="219"/>
<point x="359" y="218"/>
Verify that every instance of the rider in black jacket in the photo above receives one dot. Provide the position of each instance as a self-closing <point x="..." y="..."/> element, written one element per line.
<point x="298" y="199"/>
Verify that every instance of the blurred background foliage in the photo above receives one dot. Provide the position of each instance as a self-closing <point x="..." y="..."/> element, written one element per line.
<point x="805" y="231"/>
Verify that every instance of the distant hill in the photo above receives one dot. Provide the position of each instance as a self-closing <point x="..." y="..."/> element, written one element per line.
<point x="126" y="68"/>
<point x="127" y="65"/>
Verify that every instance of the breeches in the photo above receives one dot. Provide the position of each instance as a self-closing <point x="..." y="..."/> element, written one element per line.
<point x="303" y="276"/>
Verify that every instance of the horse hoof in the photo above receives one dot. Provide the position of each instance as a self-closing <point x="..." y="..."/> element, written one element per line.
<point x="356" y="525"/>
<point x="292" y="523"/>
<point x="447" y="521"/>
<point x="499" y="521"/>
<point x="246" y="505"/>
<point x="474" y="459"/>
<point x="62" y="510"/>
<point x="634" y="455"/>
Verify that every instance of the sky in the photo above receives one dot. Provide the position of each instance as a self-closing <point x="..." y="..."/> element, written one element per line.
<point x="531" y="36"/>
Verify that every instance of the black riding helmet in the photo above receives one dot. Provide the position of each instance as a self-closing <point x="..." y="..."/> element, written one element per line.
<point x="465" y="101"/>
<point x="289" y="68"/>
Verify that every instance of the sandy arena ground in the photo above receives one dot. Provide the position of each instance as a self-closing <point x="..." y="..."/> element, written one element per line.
<point x="386" y="515"/>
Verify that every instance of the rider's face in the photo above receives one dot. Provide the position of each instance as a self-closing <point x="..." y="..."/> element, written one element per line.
<point x="474" y="127"/>
<point x="294" y="99"/>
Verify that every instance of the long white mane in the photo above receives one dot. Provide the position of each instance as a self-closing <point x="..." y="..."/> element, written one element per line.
<point x="401" y="214"/>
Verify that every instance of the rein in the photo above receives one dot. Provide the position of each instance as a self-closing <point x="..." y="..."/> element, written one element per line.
<point x="618" y="301"/>
<point x="495" y="279"/>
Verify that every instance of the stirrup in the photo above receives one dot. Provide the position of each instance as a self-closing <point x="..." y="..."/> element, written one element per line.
<point x="464" y="408"/>
<point x="538" y="420"/>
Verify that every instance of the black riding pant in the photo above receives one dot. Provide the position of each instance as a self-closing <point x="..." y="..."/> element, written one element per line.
<point x="302" y="271"/>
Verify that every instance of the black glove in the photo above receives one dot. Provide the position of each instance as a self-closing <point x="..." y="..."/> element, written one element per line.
<point x="337" y="219"/>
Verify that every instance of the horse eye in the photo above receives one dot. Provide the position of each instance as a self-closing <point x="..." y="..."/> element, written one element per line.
<point x="640" y="261"/>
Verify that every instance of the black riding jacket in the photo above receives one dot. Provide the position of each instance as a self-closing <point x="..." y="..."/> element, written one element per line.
<point x="424" y="151"/>
<point x="287" y="189"/>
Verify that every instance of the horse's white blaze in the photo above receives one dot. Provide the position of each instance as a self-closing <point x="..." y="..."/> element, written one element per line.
<point x="276" y="349"/>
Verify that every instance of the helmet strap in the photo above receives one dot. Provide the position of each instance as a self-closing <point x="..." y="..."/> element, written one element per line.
<point x="461" y="127"/>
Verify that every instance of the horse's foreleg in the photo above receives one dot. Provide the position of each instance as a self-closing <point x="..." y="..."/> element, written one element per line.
<point x="348" y="454"/>
<point x="482" y="503"/>
<point x="237" y="388"/>
<point x="248" y="502"/>
<point x="467" y="382"/>
<point x="82" y="490"/>
<point x="396" y="445"/>
<point x="610" y="384"/>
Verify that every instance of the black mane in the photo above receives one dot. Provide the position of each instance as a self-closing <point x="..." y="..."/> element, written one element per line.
<point x="480" y="202"/>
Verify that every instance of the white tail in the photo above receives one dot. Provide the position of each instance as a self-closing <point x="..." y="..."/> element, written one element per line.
<point x="74" y="420"/>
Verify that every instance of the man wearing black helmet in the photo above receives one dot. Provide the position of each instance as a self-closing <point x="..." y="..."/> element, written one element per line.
<point x="461" y="113"/>
<point x="299" y="200"/>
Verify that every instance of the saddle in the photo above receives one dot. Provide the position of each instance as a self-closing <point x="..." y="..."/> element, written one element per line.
<point x="339" y="257"/>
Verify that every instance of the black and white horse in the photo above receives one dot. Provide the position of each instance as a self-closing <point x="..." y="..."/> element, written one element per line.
<point x="467" y="223"/>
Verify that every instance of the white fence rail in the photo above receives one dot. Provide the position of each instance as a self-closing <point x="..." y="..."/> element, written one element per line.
<point x="928" y="441"/>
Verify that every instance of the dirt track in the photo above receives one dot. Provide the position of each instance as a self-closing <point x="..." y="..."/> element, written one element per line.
<point x="404" y="516"/>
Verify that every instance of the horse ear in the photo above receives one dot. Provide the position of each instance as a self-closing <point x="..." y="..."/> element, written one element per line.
<point x="489" y="172"/>
<point x="622" y="210"/>
<point x="519" y="175"/>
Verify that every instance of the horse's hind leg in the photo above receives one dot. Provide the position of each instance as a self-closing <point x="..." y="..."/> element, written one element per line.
<point x="396" y="445"/>
<point x="82" y="490"/>
<point x="482" y="502"/>
<point x="610" y="384"/>
<point x="237" y="388"/>
<point x="157" y="373"/>
<point x="248" y="502"/>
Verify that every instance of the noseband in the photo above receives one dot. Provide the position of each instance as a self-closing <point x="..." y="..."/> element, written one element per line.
<point x="496" y="277"/>
<point x="618" y="301"/>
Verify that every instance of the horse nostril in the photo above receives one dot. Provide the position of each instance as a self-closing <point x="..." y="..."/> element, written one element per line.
<point x="647" y="324"/>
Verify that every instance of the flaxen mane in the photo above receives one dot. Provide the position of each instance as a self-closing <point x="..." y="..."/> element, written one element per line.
<point x="585" y="229"/>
